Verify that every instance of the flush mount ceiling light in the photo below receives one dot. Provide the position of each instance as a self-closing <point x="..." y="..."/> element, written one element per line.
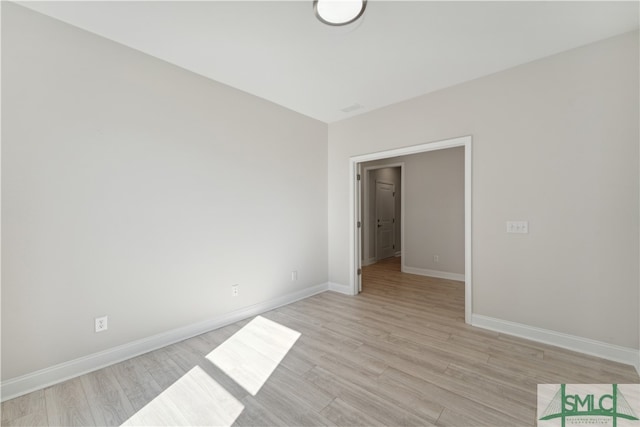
<point x="339" y="12"/>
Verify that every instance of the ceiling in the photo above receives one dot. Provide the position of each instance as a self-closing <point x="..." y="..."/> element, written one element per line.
<point x="279" y="51"/>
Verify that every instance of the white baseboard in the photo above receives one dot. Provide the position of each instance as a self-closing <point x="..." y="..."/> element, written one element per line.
<point x="607" y="351"/>
<point x="398" y="254"/>
<point x="343" y="289"/>
<point x="433" y="273"/>
<point x="24" y="384"/>
<point x="637" y="364"/>
<point x="369" y="261"/>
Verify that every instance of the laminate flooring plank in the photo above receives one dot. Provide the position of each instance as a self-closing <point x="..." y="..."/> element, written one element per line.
<point x="187" y="358"/>
<point x="291" y="383"/>
<point x="256" y="415"/>
<point x="317" y="332"/>
<point x="491" y="397"/>
<point x="544" y="372"/>
<point x="411" y="305"/>
<point x="292" y="409"/>
<point x="345" y="415"/>
<point x="361" y="331"/>
<point x="218" y="336"/>
<point x="365" y="401"/>
<point x="107" y="400"/>
<point x="324" y="312"/>
<point x="137" y="383"/>
<point x="414" y="362"/>
<point x="297" y="362"/>
<point x="460" y="329"/>
<point x="198" y="345"/>
<point x="494" y="347"/>
<point x="498" y="374"/>
<point x="194" y="399"/>
<point x="482" y="414"/>
<point x="359" y="359"/>
<point x="291" y="313"/>
<point x="33" y="419"/>
<point x="67" y="405"/>
<point x="23" y="405"/>
<point x="294" y="320"/>
<point x="451" y="418"/>
<point x="526" y="398"/>
<point x="439" y="349"/>
<point x="608" y="371"/>
<point x="164" y="370"/>
<point x="409" y="331"/>
<point x="350" y="372"/>
<point x="364" y="306"/>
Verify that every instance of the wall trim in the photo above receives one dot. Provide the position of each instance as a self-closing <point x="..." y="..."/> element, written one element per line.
<point x="433" y="273"/>
<point x="37" y="380"/>
<point x="628" y="356"/>
<point x="337" y="287"/>
<point x="637" y="364"/>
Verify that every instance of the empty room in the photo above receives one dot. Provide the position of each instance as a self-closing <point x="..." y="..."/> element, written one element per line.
<point x="320" y="213"/>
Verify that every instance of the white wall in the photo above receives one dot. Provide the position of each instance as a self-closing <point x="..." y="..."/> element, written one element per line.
<point x="555" y="142"/>
<point x="136" y="189"/>
<point x="434" y="211"/>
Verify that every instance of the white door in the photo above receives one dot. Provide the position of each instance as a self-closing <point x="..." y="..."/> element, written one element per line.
<point x="385" y="220"/>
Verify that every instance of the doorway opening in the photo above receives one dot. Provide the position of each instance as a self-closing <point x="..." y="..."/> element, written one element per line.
<point x="381" y="211"/>
<point x="358" y="211"/>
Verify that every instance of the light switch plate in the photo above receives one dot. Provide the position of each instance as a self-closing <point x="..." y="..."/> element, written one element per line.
<point x="521" y="227"/>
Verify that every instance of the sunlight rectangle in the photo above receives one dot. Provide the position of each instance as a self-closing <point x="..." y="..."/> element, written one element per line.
<point x="195" y="399"/>
<point x="252" y="354"/>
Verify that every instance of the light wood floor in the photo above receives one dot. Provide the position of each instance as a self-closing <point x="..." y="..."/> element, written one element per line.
<point x="398" y="354"/>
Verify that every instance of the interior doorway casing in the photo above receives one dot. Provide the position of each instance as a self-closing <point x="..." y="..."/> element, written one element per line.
<point x="355" y="243"/>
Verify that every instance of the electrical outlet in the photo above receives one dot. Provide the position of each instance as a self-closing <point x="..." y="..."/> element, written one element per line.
<point x="294" y="276"/>
<point x="101" y="324"/>
<point x="436" y="259"/>
<point x="234" y="290"/>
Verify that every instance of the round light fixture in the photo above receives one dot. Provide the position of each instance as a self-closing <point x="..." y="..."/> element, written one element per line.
<point x="338" y="12"/>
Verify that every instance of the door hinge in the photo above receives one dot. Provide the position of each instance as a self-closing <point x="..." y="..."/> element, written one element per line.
<point x="394" y="220"/>
<point x="394" y="246"/>
<point x="394" y="194"/>
<point x="359" y="225"/>
<point x="359" y="271"/>
<point x="358" y="177"/>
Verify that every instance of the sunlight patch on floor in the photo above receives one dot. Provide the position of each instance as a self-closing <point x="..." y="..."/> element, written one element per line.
<point x="252" y="354"/>
<point x="195" y="399"/>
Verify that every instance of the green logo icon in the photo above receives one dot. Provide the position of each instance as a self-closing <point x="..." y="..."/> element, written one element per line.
<point x="613" y="406"/>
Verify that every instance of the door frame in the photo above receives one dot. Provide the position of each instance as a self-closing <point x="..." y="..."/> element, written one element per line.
<point x="355" y="241"/>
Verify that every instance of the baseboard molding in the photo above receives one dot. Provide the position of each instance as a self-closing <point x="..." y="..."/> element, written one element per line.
<point x="433" y="273"/>
<point x="637" y="364"/>
<point x="24" y="384"/>
<point x="398" y="254"/>
<point x="343" y="289"/>
<point x="628" y="356"/>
